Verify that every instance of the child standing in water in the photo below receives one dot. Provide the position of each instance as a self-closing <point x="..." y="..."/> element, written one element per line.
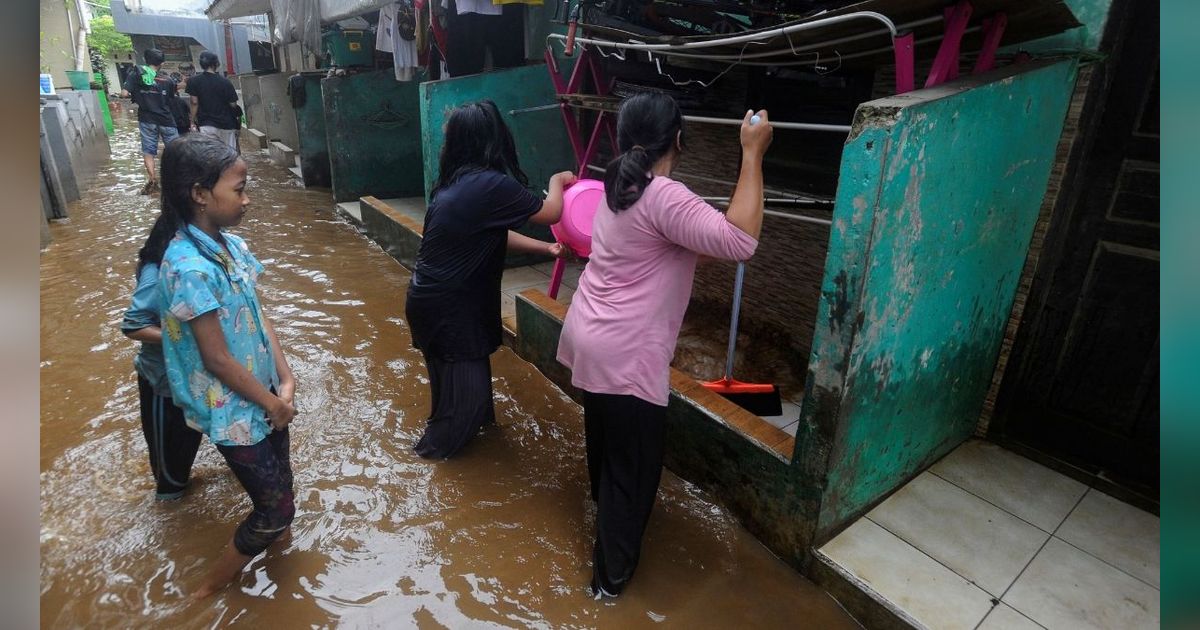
<point x="224" y="363"/>
<point x="620" y="332"/>
<point x="171" y="442"/>
<point x="453" y="305"/>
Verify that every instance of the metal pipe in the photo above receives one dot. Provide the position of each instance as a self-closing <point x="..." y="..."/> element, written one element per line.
<point x="712" y="180"/>
<point x="798" y="217"/>
<point x="779" y="200"/>
<point x="739" y="39"/>
<point x="778" y="125"/>
<point x="530" y="110"/>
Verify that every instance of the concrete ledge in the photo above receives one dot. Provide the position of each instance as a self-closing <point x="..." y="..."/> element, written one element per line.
<point x="282" y="154"/>
<point x="736" y="455"/>
<point x="397" y="234"/>
<point x="253" y="138"/>
<point x="867" y="607"/>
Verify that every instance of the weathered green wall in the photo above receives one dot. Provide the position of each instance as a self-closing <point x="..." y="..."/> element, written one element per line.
<point x="541" y="138"/>
<point x="310" y="125"/>
<point x="372" y="125"/>
<point x="542" y="145"/>
<point x="937" y="199"/>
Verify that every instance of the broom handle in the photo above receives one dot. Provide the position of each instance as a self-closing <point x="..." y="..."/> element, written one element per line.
<point x="733" y="319"/>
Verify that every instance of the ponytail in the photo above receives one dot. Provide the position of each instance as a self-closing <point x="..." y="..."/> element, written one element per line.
<point x="647" y="126"/>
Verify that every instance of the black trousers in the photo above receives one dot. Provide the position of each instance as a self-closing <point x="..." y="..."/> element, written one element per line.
<point x="171" y="442"/>
<point x="624" y="436"/>
<point x="461" y="396"/>
<point x="470" y="35"/>
<point x="265" y="472"/>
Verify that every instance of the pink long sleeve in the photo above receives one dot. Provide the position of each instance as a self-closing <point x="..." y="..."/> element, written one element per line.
<point x="620" y="332"/>
<point x="687" y="220"/>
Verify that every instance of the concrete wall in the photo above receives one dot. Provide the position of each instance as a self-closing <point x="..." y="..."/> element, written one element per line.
<point x="542" y="145"/>
<point x="938" y="196"/>
<point x="252" y="103"/>
<point x="56" y="46"/>
<point x="373" y="128"/>
<point x="73" y="145"/>
<point x="313" y="148"/>
<point x="278" y="114"/>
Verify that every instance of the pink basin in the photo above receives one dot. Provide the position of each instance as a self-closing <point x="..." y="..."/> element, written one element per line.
<point x="574" y="229"/>
<point x="579" y="206"/>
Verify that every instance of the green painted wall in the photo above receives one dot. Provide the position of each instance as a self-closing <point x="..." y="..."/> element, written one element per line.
<point x="938" y="196"/>
<point x="541" y="138"/>
<point x="310" y="126"/>
<point x="542" y="145"/>
<point x="373" y="129"/>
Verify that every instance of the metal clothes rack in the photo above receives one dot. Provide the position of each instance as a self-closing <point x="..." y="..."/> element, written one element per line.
<point x="945" y="66"/>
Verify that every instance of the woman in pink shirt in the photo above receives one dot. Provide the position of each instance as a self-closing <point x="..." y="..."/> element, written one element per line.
<point x="620" y="332"/>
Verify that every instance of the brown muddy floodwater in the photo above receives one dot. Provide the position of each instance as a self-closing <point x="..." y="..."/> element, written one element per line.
<point x="499" y="537"/>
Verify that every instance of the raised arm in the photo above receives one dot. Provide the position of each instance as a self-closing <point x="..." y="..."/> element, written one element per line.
<point x="746" y="206"/>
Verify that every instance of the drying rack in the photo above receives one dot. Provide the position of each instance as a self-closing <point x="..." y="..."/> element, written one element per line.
<point x="780" y="47"/>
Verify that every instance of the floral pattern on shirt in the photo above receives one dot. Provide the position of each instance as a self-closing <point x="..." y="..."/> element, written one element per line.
<point x="198" y="276"/>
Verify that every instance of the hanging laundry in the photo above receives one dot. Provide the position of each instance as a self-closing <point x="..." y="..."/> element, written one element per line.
<point x="472" y="35"/>
<point x="482" y="7"/>
<point x="395" y="34"/>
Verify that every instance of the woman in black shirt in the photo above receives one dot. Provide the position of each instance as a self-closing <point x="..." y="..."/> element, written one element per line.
<point x="453" y="305"/>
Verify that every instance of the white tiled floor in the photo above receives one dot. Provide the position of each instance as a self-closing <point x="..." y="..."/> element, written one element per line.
<point x="1038" y="549"/>
<point x="517" y="279"/>
<point x="789" y="420"/>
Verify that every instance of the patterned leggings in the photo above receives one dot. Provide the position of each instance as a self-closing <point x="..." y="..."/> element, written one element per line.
<point x="265" y="471"/>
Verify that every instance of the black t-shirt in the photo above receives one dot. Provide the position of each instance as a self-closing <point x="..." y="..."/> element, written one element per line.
<point x="213" y="93"/>
<point x="453" y="304"/>
<point x="153" y="101"/>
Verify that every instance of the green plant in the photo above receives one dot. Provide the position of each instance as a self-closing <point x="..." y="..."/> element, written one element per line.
<point x="105" y="38"/>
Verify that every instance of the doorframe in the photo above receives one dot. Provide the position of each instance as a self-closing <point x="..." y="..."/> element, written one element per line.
<point x="1117" y="31"/>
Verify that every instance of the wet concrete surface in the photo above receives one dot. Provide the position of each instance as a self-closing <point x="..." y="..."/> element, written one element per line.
<point x="499" y="537"/>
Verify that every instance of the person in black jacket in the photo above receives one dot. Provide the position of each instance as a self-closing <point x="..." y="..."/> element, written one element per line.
<point x="153" y="92"/>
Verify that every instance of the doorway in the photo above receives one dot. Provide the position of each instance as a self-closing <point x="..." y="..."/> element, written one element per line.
<point x="1082" y="386"/>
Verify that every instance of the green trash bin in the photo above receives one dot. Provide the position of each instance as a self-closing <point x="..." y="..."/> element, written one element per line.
<point x="80" y="79"/>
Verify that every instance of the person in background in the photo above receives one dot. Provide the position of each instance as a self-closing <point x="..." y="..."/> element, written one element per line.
<point x="215" y="108"/>
<point x="153" y="93"/>
<point x="181" y="108"/>
<point x="620" y="332"/>
<point x="453" y="305"/>
<point x="172" y="444"/>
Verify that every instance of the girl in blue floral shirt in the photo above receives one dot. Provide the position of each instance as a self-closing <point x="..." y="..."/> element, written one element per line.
<point x="224" y="363"/>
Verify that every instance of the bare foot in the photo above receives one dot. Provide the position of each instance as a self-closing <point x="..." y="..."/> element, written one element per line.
<point x="227" y="567"/>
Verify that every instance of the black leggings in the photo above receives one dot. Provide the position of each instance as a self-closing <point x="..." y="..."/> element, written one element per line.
<point x="265" y="471"/>
<point x="461" y="396"/>
<point x="171" y="442"/>
<point x="624" y="436"/>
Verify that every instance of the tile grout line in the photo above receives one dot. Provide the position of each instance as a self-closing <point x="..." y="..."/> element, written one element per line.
<point x="1039" y="552"/>
<point x="1001" y="508"/>
<point x="1055" y="532"/>
<point x="1103" y="561"/>
<point x="939" y="562"/>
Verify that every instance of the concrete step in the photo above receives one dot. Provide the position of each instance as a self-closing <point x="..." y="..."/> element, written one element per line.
<point x="282" y="154"/>
<point x="296" y="171"/>
<point x="253" y="139"/>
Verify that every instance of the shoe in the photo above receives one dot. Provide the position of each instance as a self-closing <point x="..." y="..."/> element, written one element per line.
<point x="168" y="496"/>
<point x="149" y="188"/>
<point x="598" y="593"/>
